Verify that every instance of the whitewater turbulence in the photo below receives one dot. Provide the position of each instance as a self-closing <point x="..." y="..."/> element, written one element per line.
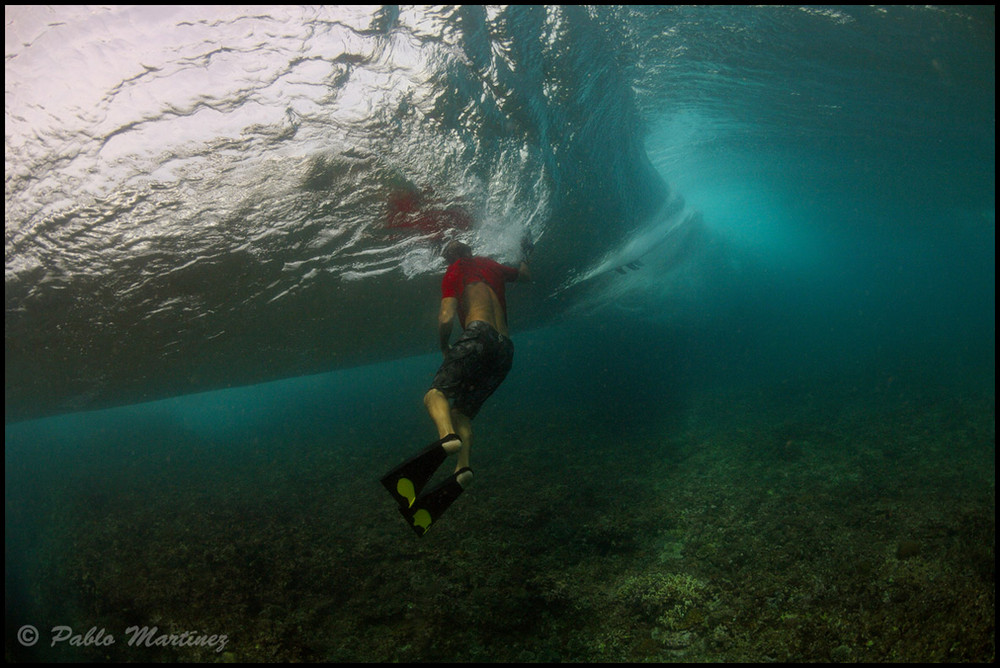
<point x="200" y="197"/>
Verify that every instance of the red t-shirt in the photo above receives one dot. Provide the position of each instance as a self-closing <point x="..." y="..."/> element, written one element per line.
<point x="468" y="270"/>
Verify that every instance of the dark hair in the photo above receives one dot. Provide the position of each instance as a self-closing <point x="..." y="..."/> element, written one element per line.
<point x="455" y="250"/>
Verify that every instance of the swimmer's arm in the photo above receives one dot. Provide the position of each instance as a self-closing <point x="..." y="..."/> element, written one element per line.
<point x="446" y="317"/>
<point x="524" y="273"/>
<point x="527" y="248"/>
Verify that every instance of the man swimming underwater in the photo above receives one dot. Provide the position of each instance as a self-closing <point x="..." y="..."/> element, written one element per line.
<point x="473" y="368"/>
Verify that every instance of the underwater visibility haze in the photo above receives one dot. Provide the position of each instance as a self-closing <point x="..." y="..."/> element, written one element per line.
<point x="752" y="411"/>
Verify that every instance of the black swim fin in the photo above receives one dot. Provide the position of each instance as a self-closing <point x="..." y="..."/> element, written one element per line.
<point x="430" y="506"/>
<point x="406" y="481"/>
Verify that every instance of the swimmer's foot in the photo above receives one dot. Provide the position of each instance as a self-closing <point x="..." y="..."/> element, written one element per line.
<point x="451" y="443"/>
<point x="406" y="481"/>
<point x="464" y="477"/>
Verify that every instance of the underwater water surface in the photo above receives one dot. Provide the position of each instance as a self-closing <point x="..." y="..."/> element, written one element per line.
<point x="752" y="410"/>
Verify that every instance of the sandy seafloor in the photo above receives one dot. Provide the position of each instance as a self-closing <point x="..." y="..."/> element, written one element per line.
<point x="844" y="518"/>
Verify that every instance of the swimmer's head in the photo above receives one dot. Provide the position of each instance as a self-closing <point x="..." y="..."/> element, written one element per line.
<point x="455" y="250"/>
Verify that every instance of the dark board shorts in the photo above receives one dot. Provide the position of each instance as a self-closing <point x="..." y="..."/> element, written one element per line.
<point x="474" y="367"/>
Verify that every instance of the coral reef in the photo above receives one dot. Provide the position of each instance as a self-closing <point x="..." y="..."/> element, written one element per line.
<point x="859" y="528"/>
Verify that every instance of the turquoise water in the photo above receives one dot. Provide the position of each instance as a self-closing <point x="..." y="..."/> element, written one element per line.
<point x="751" y="415"/>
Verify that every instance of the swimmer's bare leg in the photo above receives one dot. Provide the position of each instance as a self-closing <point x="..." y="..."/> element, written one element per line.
<point x="441" y="413"/>
<point x="451" y="421"/>
<point x="463" y="427"/>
